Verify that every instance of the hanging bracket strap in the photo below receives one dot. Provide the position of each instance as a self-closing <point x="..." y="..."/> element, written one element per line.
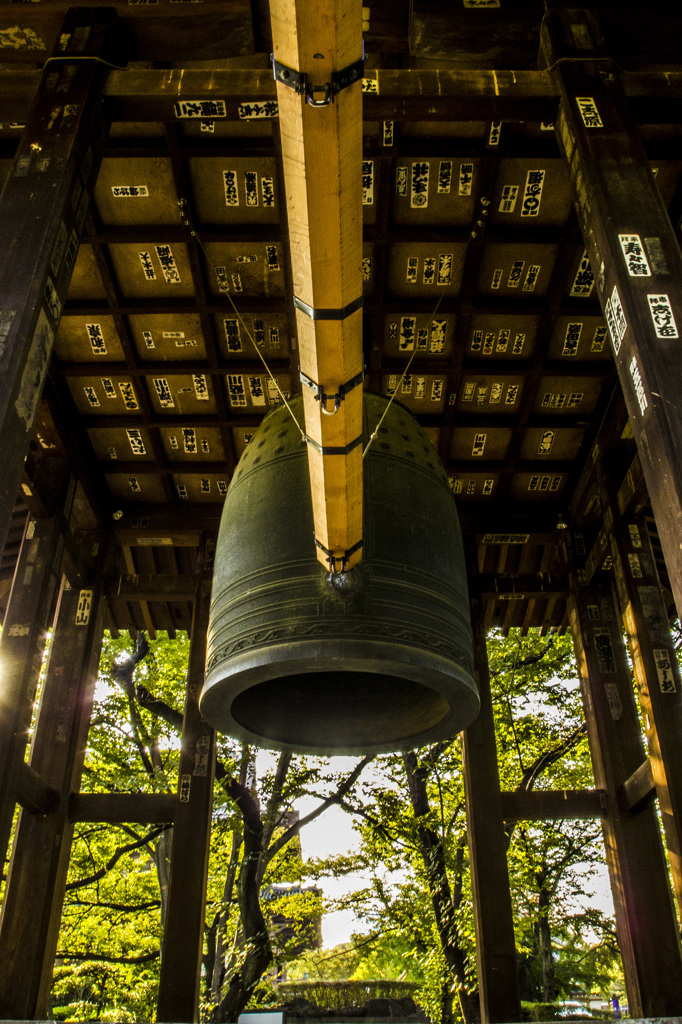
<point x="333" y="559"/>
<point x="323" y="398"/>
<point x="334" y="449"/>
<point x="328" y="314"/>
<point x="298" y="81"/>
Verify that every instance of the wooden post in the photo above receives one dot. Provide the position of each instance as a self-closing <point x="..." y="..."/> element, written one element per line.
<point x="646" y="925"/>
<point x="635" y="259"/>
<point x="654" y="662"/>
<point x="322" y="159"/>
<point x="493" y="918"/>
<point x="31" y="911"/>
<point x="42" y="210"/>
<point x="27" y="620"/>
<point x="183" y="940"/>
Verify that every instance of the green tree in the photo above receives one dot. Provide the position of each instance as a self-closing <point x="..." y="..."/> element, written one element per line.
<point x="413" y="829"/>
<point x="112" y="927"/>
<point x="410" y="815"/>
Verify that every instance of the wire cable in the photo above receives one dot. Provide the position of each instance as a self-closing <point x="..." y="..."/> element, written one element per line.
<point x="184" y="211"/>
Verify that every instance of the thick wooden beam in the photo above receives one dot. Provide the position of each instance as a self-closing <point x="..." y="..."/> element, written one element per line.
<point x="493" y="920"/>
<point x="632" y="493"/>
<point x="150" y="587"/>
<point x="637" y="267"/>
<point x="640" y="789"/>
<point x="423" y="94"/>
<point x="552" y="805"/>
<point x="118" y="808"/>
<point x="183" y="941"/>
<point x="27" y="621"/>
<point x="31" y="910"/>
<point x="33" y="793"/>
<point x="152" y="527"/>
<point x="523" y="585"/>
<point x="654" y="662"/>
<point x="42" y="210"/>
<point x="646" y="923"/>
<point x="322" y="159"/>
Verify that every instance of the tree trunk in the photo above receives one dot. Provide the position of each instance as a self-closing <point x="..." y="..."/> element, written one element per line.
<point x="257" y="950"/>
<point x="548" y="980"/>
<point x="433" y="856"/>
<point x="162" y="859"/>
<point x="217" y="977"/>
<point x="446" y="1014"/>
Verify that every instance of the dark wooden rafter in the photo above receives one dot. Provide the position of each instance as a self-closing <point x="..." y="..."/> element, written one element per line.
<point x="533" y="377"/>
<point x="103" y="263"/>
<point x="39" y="248"/>
<point x="466" y="298"/>
<point x="200" y="270"/>
<point x="613" y="219"/>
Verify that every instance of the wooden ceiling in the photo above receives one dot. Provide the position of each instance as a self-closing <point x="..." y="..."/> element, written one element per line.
<point x="473" y="265"/>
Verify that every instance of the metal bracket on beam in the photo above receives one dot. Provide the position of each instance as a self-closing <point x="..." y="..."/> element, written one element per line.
<point x="323" y="398"/>
<point x="332" y="450"/>
<point x="333" y="559"/>
<point x="298" y="81"/>
<point x="328" y="314"/>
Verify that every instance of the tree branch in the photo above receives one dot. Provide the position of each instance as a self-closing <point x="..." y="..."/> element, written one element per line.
<point x="550" y="757"/>
<point x="101" y="958"/>
<point x="273" y="804"/>
<point x="118" y="853"/>
<point x="334" y="798"/>
<point x="132" y="907"/>
<point x="159" y="708"/>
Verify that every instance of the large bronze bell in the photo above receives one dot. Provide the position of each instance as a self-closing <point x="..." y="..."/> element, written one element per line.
<point x="375" y="659"/>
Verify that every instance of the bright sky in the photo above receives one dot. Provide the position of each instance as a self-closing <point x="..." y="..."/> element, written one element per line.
<point x="332" y="833"/>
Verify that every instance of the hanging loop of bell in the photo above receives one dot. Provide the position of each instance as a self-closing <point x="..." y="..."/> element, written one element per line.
<point x="375" y="659"/>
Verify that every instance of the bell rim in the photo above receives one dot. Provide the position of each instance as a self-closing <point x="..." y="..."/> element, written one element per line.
<point x="432" y="672"/>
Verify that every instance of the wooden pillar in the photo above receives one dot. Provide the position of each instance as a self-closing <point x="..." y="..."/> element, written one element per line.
<point x="42" y="210"/>
<point x="646" y="925"/>
<point x="183" y="941"/>
<point x="31" y="911"/>
<point x="634" y="255"/>
<point x="27" y="620"/>
<point x="493" y="918"/>
<point x="654" y="663"/>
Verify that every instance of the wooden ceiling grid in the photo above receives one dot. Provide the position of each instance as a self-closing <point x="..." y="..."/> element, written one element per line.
<point x="155" y="388"/>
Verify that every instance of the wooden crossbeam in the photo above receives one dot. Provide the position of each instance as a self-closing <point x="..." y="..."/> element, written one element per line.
<point x="420" y="94"/>
<point x="523" y="585"/>
<point x="552" y="805"/>
<point x="640" y="789"/>
<point x="322" y="158"/>
<point x="33" y="793"/>
<point x="150" y="587"/>
<point x="117" y="808"/>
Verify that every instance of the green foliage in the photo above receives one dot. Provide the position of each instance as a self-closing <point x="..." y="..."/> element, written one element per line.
<point x="118" y="741"/>
<point x="413" y="862"/>
<point x="109" y="943"/>
<point x="337" y="964"/>
<point x="541" y="744"/>
<point x="335" y="995"/>
<point x="540" y="1011"/>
